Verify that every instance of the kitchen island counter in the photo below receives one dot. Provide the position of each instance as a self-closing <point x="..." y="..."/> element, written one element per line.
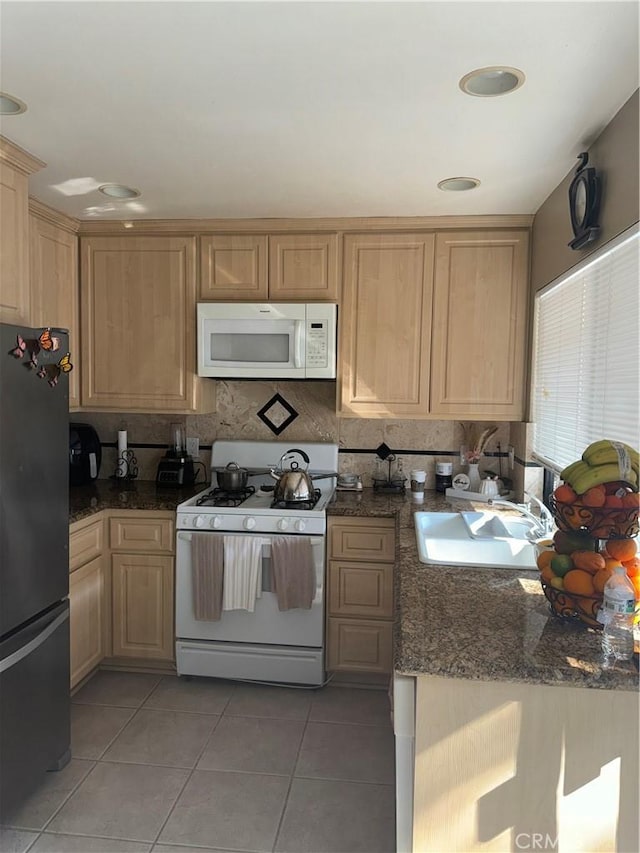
<point x="480" y="624"/>
<point x="137" y="494"/>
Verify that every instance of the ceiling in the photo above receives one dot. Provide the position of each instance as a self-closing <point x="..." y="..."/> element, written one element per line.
<point x="270" y="109"/>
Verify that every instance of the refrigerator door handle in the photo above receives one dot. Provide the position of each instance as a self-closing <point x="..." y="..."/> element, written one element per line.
<point x="32" y="645"/>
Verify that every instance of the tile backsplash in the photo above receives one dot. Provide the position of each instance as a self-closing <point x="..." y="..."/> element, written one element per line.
<point x="238" y="404"/>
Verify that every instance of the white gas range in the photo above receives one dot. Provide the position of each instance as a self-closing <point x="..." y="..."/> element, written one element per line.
<point x="264" y="643"/>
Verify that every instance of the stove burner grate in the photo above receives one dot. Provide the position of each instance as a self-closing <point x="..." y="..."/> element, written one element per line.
<point x="225" y="497"/>
<point x="301" y="505"/>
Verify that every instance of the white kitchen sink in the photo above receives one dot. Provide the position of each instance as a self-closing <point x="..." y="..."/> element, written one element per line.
<point x="449" y="539"/>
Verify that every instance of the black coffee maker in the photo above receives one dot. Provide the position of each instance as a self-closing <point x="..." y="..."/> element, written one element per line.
<point x="176" y="466"/>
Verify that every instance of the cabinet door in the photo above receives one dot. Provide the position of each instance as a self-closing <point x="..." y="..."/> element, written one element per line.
<point x="233" y="267"/>
<point x="303" y="267"/>
<point x="358" y="589"/>
<point x="14" y="246"/>
<point x="54" y="288"/>
<point x="87" y="625"/>
<point x="138" y="324"/>
<point x="142" y="590"/>
<point x="385" y="325"/>
<point x="358" y="645"/>
<point x="480" y="325"/>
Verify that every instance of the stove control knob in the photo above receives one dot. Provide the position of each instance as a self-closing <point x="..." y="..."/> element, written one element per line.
<point x="216" y="521"/>
<point x="198" y="521"/>
<point x="249" y="523"/>
<point x="283" y="524"/>
<point x="300" y="525"/>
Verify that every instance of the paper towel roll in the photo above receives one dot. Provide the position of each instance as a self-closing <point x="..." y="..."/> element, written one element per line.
<point x="122" y="446"/>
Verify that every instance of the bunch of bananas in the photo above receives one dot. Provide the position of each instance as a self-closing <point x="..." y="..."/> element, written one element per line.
<point x="603" y="462"/>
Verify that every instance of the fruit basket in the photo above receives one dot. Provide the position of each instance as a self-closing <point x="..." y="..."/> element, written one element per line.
<point x="573" y="606"/>
<point x="600" y="522"/>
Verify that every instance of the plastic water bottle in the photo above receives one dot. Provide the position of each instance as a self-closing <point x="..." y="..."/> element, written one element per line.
<point x="617" y="616"/>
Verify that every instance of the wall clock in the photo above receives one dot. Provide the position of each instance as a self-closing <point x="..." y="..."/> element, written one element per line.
<point x="584" y="203"/>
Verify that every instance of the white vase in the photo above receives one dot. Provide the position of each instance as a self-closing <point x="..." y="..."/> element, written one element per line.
<point x="474" y="477"/>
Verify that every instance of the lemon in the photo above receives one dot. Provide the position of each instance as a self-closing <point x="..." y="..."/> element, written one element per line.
<point x="557" y="583"/>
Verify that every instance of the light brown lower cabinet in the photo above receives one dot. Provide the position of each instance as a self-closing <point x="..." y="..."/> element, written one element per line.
<point x="142" y="585"/>
<point x="87" y="619"/>
<point x="360" y="595"/>
<point x="142" y="590"/>
<point x="88" y="600"/>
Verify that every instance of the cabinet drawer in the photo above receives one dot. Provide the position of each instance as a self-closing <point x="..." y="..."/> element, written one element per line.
<point x="85" y="544"/>
<point x="358" y="589"/>
<point x="141" y="534"/>
<point x="359" y="645"/>
<point x="371" y="539"/>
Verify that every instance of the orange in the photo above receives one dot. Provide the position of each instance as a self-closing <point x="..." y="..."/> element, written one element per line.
<point x="600" y="578"/>
<point x="544" y="558"/>
<point x="546" y="574"/>
<point x="611" y="563"/>
<point x="579" y="582"/>
<point x="565" y="494"/>
<point x="622" y="549"/>
<point x="631" y="500"/>
<point x="594" y="497"/>
<point x="632" y="567"/>
<point x="613" y="501"/>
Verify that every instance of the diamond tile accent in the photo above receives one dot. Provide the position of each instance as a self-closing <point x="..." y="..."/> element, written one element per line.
<point x="277" y="414"/>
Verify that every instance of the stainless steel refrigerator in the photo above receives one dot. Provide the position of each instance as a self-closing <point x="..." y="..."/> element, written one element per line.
<point x="34" y="559"/>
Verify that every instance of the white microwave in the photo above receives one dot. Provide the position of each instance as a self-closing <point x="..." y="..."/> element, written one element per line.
<point x="292" y="340"/>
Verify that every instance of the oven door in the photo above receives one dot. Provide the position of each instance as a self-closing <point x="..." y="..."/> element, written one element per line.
<point x="267" y="624"/>
<point x="251" y="341"/>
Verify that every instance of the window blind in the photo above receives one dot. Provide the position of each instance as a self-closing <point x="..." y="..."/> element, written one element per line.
<point x="586" y="357"/>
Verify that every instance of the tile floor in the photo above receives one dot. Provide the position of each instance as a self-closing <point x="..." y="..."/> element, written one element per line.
<point x="165" y="764"/>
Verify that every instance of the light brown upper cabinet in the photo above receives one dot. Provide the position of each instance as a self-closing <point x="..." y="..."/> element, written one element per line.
<point x="465" y="358"/>
<point x="15" y="167"/>
<point x="137" y="297"/>
<point x="54" y="286"/>
<point x="480" y="325"/>
<point x="255" y="267"/>
<point x="385" y="325"/>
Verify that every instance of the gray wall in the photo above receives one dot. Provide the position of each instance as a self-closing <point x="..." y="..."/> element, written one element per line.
<point x="615" y="155"/>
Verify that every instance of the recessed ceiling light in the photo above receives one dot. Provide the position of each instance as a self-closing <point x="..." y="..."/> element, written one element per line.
<point x="458" y="184"/>
<point x="10" y="106"/>
<point x="489" y="82"/>
<point x="119" y="191"/>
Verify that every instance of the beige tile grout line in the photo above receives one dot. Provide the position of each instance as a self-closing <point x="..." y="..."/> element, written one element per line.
<point x="192" y="771"/>
<point x="291" y="778"/>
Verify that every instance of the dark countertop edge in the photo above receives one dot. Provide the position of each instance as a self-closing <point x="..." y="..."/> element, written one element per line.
<point x="85" y="501"/>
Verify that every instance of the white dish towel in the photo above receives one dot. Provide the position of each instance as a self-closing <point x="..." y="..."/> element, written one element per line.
<point x="242" y="572"/>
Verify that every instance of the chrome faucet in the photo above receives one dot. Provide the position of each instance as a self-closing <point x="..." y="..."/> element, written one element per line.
<point x="543" y="525"/>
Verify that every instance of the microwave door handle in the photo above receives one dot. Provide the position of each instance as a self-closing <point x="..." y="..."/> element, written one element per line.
<point x="297" y="343"/>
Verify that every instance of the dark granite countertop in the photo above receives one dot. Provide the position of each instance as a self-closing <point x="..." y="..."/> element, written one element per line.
<point x="138" y="494"/>
<point x="484" y="624"/>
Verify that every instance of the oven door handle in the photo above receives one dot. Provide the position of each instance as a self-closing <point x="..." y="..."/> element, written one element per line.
<point x="186" y="536"/>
